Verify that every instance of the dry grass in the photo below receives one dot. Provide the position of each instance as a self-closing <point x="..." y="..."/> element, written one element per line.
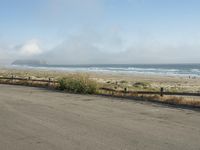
<point x="183" y="100"/>
<point x="180" y="100"/>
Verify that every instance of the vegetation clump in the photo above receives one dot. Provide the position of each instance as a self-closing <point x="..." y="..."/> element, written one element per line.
<point x="81" y="84"/>
<point x="141" y="84"/>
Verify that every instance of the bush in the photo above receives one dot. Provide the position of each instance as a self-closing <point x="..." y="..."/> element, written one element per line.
<point x="141" y="85"/>
<point x="78" y="84"/>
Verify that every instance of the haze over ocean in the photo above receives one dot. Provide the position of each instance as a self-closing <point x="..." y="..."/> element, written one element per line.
<point x="192" y="70"/>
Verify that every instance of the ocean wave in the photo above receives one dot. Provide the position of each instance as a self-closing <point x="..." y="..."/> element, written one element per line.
<point x="126" y="69"/>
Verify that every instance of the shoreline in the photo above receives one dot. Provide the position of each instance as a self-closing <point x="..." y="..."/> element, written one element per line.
<point x="93" y="70"/>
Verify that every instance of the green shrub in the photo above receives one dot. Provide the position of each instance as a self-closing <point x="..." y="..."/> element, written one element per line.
<point x="78" y="84"/>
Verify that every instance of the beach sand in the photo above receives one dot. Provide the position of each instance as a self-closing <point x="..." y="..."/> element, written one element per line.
<point x="132" y="82"/>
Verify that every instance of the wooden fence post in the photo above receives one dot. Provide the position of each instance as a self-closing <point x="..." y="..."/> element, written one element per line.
<point x="12" y="79"/>
<point x="49" y="83"/>
<point x="161" y="91"/>
<point x="29" y="81"/>
<point x="53" y="83"/>
<point x="125" y="91"/>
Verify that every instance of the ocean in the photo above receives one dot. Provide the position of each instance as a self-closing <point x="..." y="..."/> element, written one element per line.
<point x="192" y="70"/>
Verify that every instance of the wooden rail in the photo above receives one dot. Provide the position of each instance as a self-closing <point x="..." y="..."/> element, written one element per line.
<point x="51" y="83"/>
<point x="112" y="91"/>
<point x="28" y="79"/>
<point x="161" y="92"/>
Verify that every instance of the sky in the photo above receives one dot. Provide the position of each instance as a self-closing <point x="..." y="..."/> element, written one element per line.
<point x="100" y="31"/>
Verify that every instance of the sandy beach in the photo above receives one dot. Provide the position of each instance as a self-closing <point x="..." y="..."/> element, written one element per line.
<point x="133" y="82"/>
<point x="122" y="81"/>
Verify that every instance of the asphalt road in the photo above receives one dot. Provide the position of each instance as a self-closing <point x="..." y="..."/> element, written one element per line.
<point x="38" y="119"/>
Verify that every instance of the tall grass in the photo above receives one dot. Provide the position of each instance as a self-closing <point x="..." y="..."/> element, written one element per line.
<point x="78" y="84"/>
<point x="177" y="100"/>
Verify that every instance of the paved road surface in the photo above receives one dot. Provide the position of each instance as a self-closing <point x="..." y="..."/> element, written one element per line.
<point x="37" y="119"/>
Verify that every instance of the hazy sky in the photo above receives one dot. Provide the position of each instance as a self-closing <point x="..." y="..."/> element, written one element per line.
<point x="100" y="31"/>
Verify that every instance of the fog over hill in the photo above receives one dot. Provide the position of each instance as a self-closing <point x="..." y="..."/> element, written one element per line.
<point x="100" y="31"/>
<point x="29" y="62"/>
<point x="84" y="50"/>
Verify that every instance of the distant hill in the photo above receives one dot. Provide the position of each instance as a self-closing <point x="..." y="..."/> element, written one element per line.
<point x="29" y="62"/>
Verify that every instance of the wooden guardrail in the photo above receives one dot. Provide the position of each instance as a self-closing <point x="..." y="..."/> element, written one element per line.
<point x="28" y="80"/>
<point x="111" y="91"/>
<point x="25" y="79"/>
<point x="161" y="92"/>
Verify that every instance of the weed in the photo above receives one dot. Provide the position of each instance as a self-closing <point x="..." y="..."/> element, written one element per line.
<point x="78" y="84"/>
